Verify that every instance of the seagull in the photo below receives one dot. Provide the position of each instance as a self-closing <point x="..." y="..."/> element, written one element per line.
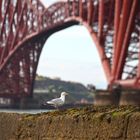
<point x="58" y="101"/>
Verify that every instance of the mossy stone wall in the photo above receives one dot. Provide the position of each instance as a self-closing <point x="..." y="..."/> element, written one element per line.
<point x="90" y="123"/>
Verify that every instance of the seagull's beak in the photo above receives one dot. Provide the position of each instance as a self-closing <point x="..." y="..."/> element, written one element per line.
<point x="66" y="93"/>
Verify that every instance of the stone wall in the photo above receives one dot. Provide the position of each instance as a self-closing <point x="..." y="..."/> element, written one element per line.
<point x="91" y="123"/>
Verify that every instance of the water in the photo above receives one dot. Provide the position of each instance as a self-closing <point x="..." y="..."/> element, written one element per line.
<point x="29" y="111"/>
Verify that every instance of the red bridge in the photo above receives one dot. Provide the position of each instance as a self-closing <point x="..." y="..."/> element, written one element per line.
<point x="25" y="25"/>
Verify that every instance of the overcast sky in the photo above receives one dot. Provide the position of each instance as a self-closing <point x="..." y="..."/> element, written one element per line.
<point x="71" y="55"/>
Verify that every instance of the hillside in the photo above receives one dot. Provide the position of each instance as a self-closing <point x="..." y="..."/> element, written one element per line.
<point x="46" y="88"/>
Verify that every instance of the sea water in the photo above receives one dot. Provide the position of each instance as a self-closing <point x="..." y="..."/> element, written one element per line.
<point x="29" y="111"/>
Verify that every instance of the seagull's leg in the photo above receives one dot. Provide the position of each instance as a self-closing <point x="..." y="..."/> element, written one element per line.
<point x="56" y="107"/>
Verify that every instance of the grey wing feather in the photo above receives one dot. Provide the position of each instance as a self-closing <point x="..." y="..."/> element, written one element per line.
<point x="55" y="101"/>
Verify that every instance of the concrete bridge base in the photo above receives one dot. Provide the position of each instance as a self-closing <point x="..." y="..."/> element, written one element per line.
<point x="15" y="103"/>
<point x="104" y="97"/>
<point x="24" y="103"/>
<point x="124" y="97"/>
<point x="130" y="98"/>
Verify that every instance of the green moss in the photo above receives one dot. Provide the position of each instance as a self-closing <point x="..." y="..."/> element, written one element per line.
<point x="30" y="118"/>
<point x="121" y="113"/>
<point x="115" y="114"/>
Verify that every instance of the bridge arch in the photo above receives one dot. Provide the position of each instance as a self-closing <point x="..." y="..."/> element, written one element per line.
<point x="72" y="51"/>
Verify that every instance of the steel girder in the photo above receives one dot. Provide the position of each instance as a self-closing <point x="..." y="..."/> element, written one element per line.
<point x="25" y="25"/>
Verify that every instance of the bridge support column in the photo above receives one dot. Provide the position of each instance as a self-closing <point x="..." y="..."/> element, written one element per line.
<point x="28" y="103"/>
<point x="15" y="103"/>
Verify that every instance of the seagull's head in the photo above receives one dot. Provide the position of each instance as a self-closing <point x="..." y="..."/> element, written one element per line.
<point x="64" y="93"/>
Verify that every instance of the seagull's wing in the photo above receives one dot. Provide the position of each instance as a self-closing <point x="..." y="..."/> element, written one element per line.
<point x="57" y="101"/>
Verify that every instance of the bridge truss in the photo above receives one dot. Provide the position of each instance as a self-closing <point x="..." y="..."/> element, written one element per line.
<point x="25" y="25"/>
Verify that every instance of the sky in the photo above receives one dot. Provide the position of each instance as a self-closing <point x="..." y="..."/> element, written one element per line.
<point x="71" y="55"/>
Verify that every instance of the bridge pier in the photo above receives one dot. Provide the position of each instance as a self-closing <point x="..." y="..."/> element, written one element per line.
<point x="28" y="103"/>
<point x="15" y="103"/>
<point x="130" y="97"/>
<point x="22" y="103"/>
<point x="105" y="97"/>
<point x="117" y="97"/>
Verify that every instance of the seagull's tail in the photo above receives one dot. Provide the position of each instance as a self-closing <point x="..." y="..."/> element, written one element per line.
<point x="49" y="102"/>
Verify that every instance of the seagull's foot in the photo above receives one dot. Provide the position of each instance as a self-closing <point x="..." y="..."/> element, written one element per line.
<point x="57" y="108"/>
